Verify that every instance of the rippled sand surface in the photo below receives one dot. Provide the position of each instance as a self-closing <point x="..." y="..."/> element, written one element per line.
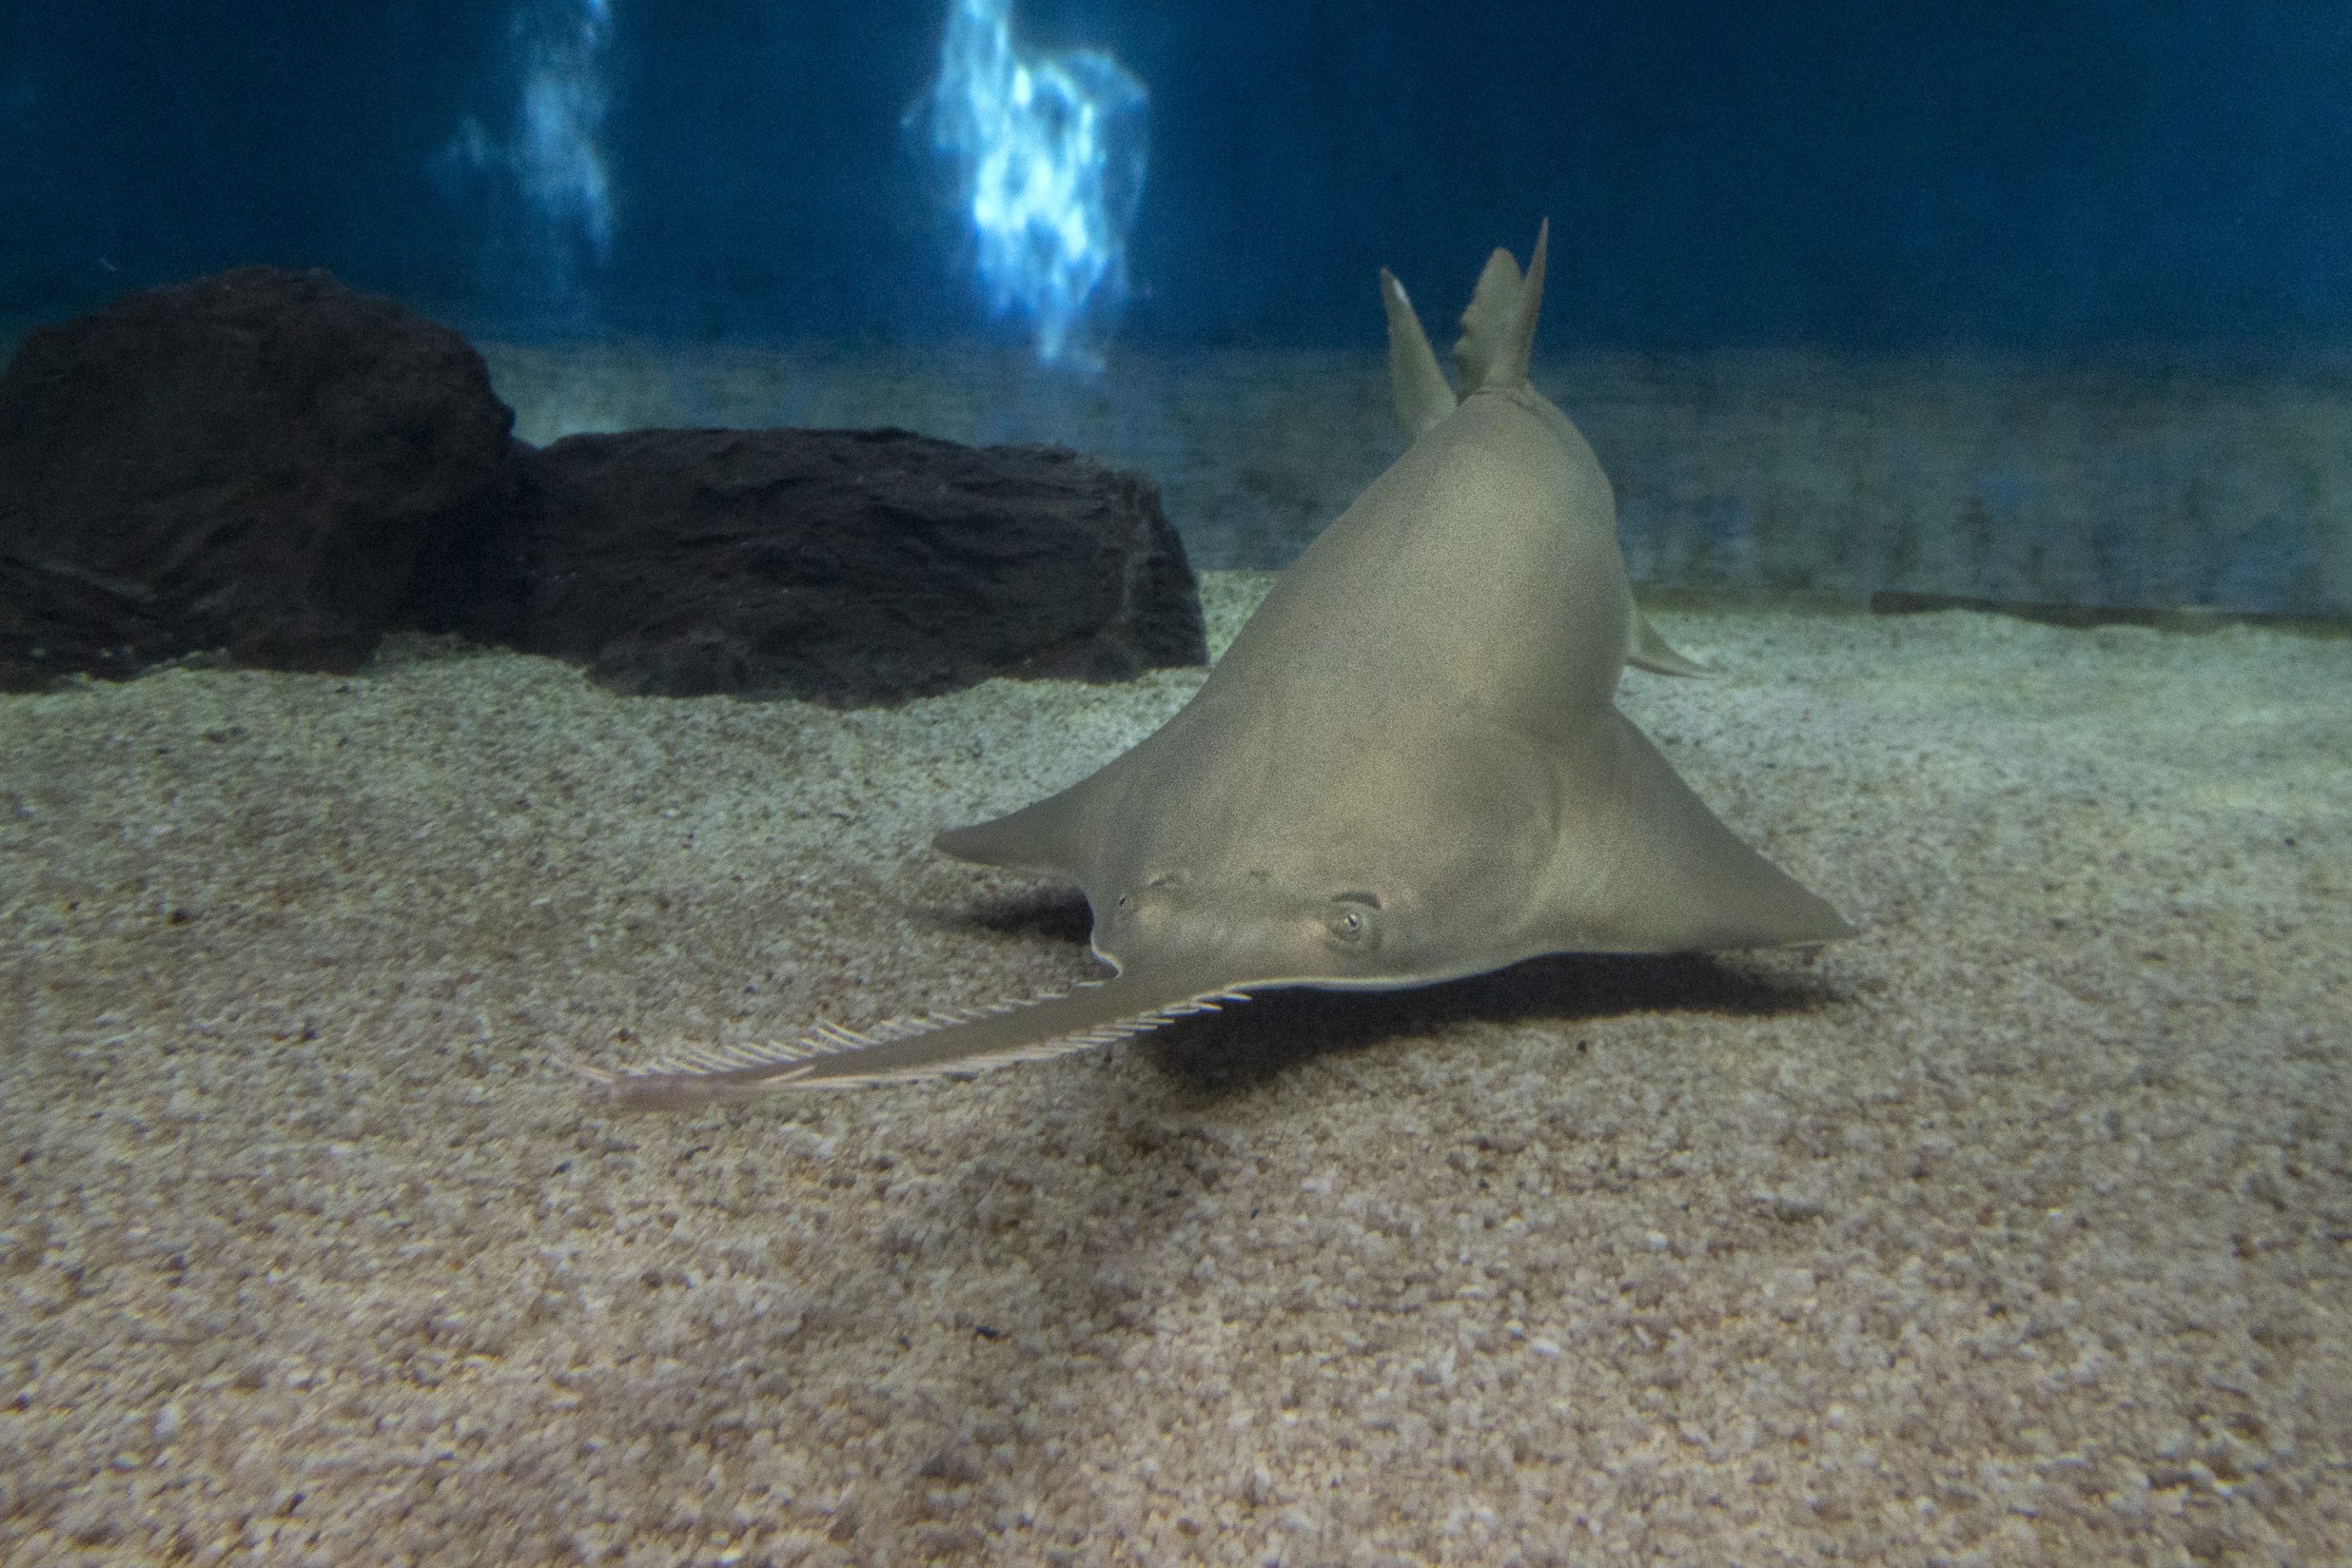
<point x="2017" y="1230"/>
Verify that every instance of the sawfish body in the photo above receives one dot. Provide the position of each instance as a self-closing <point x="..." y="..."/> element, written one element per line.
<point x="1408" y="767"/>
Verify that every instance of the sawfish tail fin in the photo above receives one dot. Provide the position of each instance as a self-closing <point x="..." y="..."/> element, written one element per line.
<point x="1422" y="398"/>
<point x="1498" y="330"/>
<point x="907" y="1050"/>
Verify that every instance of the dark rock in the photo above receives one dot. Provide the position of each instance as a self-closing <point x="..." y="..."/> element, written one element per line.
<point x="266" y="462"/>
<point x="850" y="566"/>
<point x="258" y="460"/>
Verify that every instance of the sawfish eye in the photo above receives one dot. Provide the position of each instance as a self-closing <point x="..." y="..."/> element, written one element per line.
<point x="1351" y="922"/>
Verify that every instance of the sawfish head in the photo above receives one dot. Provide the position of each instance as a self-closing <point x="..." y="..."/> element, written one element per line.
<point x="1252" y="931"/>
<point x="1234" y="878"/>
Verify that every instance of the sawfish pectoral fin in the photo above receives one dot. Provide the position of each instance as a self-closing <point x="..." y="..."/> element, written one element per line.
<point x="907" y="1050"/>
<point x="1046" y="839"/>
<point x="1647" y="649"/>
<point x="1644" y="867"/>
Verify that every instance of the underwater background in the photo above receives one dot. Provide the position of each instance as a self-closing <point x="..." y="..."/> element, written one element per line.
<point x="2013" y="1231"/>
<point x="2026" y="302"/>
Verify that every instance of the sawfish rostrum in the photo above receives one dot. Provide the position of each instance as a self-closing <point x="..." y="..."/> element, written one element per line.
<point x="1408" y="767"/>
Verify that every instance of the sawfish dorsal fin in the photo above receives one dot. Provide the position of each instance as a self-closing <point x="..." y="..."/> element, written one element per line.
<point x="1486" y="319"/>
<point x="1498" y="328"/>
<point x="1508" y="368"/>
<point x="1422" y="398"/>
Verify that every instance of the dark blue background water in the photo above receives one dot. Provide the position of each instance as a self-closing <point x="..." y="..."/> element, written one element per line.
<point x="1840" y="172"/>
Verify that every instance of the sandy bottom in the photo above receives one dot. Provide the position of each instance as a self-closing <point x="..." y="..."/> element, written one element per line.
<point x="2017" y="1230"/>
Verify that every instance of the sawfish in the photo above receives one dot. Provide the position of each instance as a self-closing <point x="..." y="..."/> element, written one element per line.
<point x="1409" y="767"/>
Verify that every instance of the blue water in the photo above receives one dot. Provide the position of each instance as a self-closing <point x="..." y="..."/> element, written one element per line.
<point x="2163" y="183"/>
<point x="1835" y="171"/>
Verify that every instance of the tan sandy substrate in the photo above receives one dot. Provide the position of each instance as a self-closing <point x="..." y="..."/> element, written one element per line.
<point x="2017" y="1230"/>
